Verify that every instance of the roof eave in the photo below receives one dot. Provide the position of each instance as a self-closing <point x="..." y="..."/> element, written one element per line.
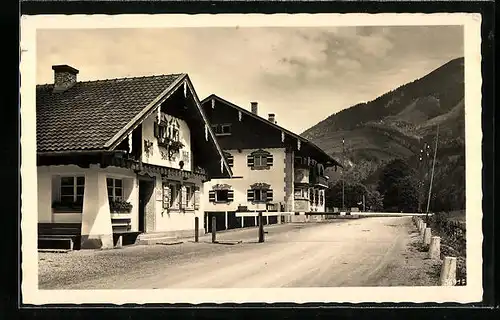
<point x="294" y="135"/>
<point x="129" y="127"/>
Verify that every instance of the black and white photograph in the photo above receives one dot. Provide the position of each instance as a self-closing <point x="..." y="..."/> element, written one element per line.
<point x="251" y="158"/>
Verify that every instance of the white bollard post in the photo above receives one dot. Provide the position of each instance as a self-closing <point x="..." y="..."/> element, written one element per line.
<point x="435" y="248"/>
<point x="422" y="230"/>
<point x="448" y="272"/>
<point x="427" y="236"/>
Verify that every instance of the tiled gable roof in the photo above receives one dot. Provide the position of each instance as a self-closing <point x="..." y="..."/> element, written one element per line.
<point x="303" y="140"/>
<point x="90" y="113"/>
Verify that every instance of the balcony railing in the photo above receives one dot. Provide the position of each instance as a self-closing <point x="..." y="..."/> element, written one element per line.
<point x="319" y="180"/>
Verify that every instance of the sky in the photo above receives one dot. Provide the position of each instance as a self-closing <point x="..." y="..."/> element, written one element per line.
<point x="302" y="75"/>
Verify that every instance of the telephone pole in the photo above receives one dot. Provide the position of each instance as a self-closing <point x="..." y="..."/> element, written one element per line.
<point x="432" y="175"/>
<point x="343" y="169"/>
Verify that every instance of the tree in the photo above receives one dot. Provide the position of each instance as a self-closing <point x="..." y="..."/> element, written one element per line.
<point x="392" y="172"/>
<point x="399" y="187"/>
<point x="402" y="196"/>
<point x="374" y="201"/>
<point x="353" y="194"/>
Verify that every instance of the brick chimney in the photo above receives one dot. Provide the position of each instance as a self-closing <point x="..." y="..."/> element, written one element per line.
<point x="272" y="118"/>
<point x="64" y="77"/>
<point x="254" y="107"/>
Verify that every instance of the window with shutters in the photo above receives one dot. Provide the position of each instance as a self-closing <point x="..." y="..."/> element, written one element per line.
<point x="260" y="193"/>
<point x="171" y="195"/>
<point x="196" y="199"/>
<point x="260" y="159"/>
<point x="301" y="193"/>
<point x="321" y="197"/>
<point x="189" y="199"/>
<point x="221" y="193"/>
<point x="166" y="195"/>
<point x="229" y="159"/>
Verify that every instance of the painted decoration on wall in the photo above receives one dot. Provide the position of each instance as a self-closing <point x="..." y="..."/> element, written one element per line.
<point x="213" y="103"/>
<point x="148" y="147"/>
<point x="222" y="165"/>
<point x="298" y="144"/>
<point x="185" y="157"/>
<point x="159" y="194"/>
<point x="221" y="186"/>
<point x="282" y="136"/>
<point x="185" y="89"/>
<point x="240" y="115"/>
<point x="260" y="185"/>
<point x="164" y="155"/>
<point x="206" y="132"/>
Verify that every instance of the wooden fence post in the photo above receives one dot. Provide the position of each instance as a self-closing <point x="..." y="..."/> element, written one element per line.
<point x="261" y="228"/>
<point x="196" y="228"/>
<point x="214" y="228"/>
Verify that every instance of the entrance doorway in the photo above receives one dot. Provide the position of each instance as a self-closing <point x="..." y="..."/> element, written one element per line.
<point x="146" y="208"/>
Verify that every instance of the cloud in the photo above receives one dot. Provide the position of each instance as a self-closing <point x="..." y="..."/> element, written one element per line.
<point x="288" y="70"/>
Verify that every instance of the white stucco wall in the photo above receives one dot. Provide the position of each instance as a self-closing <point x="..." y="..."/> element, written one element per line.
<point x="48" y="191"/>
<point x="155" y="154"/>
<point x="245" y="176"/>
<point x="175" y="220"/>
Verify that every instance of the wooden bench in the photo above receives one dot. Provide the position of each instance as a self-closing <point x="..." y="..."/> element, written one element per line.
<point x="55" y="243"/>
<point x="59" y="235"/>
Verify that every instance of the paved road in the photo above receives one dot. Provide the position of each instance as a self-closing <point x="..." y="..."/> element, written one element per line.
<point x="359" y="252"/>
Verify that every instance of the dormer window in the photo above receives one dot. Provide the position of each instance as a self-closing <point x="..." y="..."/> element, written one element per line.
<point x="260" y="159"/>
<point x="222" y="129"/>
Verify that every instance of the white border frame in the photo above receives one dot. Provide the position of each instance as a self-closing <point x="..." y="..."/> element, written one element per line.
<point x="472" y="292"/>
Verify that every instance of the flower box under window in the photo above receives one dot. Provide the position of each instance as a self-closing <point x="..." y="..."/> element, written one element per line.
<point x="118" y="206"/>
<point x="61" y="206"/>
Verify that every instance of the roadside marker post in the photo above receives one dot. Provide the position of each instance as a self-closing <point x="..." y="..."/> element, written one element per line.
<point x="448" y="272"/>
<point x="427" y="236"/>
<point x="435" y="248"/>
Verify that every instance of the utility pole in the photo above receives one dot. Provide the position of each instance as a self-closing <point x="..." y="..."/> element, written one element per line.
<point x="432" y="175"/>
<point x="422" y="166"/>
<point x="343" y="169"/>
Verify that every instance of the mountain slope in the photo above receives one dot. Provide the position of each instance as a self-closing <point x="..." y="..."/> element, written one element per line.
<point x="397" y="124"/>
